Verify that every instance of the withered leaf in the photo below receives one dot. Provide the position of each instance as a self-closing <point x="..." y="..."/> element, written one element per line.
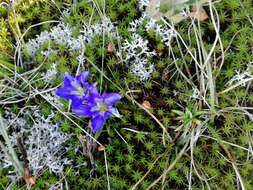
<point x="29" y="180"/>
<point x="146" y="104"/>
<point x="165" y="75"/>
<point x="101" y="148"/>
<point x="110" y="48"/>
<point x="198" y="13"/>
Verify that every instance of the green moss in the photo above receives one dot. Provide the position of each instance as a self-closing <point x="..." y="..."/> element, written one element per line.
<point x="129" y="159"/>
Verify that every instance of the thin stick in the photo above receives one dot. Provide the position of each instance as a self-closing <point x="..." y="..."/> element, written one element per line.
<point x="235" y="85"/>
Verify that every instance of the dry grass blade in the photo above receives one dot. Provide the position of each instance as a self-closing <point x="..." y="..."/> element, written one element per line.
<point x="9" y="150"/>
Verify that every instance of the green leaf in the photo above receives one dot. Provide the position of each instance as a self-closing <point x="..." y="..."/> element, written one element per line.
<point x="170" y="8"/>
<point x="171" y="5"/>
<point x="5" y="66"/>
<point x="178" y="112"/>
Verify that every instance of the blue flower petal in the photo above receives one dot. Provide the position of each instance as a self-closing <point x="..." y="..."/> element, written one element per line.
<point x="97" y="123"/>
<point x="93" y="90"/>
<point x="115" y="112"/>
<point x="93" y="99"/>
<point x="77" y="100"/>
<point x="68" y="80"/>
<point x="82" y="110"/>
<point x="89" y="100"/>
<point x="65" y="92"/>
<point x="96" y="113"/>
<point x="83" y="77"/>
<point x="107" y="114"/>
<point x="111" y="98"/>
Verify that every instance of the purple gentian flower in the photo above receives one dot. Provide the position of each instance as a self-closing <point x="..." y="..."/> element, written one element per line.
<point x="86" y="101"/>
<point x="76" y="89"/>
<point x="99" y="108"/>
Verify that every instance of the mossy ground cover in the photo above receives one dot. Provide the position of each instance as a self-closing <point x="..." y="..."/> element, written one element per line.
<point x="187" y="126"/>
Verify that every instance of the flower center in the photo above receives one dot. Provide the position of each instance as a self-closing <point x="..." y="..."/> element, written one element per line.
<point x="101" y="107"/>
<point x="80" y="91"/>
